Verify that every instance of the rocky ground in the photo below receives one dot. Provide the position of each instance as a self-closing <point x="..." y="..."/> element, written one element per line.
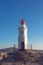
<point x="22" y="58"/>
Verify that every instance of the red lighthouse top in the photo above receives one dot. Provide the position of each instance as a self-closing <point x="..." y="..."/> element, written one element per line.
<point x="22" y="21"/>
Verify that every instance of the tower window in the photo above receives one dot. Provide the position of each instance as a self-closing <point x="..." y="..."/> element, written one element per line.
<point x="22" y="32"/>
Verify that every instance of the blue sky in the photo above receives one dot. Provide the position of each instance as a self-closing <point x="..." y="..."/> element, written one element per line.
<point x="11" y="13"/>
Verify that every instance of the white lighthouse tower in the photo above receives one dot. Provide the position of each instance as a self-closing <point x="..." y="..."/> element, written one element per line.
<point x="22" y="39"/>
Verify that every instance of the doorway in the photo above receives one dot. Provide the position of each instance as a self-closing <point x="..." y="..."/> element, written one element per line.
<point x="22" y="46"/>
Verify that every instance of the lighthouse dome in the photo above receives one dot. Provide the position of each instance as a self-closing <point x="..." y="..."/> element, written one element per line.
<point x="22" y="22"/>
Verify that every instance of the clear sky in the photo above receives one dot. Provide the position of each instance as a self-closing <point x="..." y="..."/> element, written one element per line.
<point x="11" y="13"/>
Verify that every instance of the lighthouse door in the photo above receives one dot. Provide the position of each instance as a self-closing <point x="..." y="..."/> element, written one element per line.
<point x="22" y="46"/>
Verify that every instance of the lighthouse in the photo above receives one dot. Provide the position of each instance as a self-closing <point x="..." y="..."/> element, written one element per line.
<point x="22" y="36"/>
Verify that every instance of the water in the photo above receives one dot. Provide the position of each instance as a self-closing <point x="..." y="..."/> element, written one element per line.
<point x="11" y="50"/>
<point x="39" y="51"/>
<point x="8" y="51"/>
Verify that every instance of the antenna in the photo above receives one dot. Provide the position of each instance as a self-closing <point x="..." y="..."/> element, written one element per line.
<point x="31" y="46"/>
